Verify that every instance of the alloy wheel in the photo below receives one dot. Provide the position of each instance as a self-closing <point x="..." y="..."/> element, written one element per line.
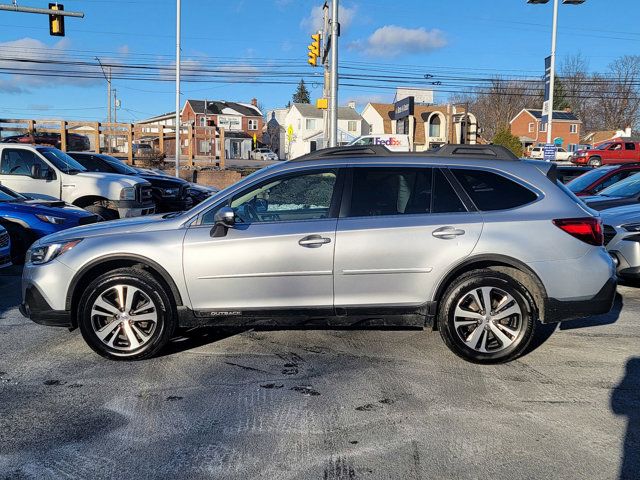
<point x="124" y="318"/>
<point x="488" y="319"/>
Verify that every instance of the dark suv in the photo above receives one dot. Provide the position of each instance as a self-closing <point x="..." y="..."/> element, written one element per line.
<point x="74" y="141"/>
<point x="169" y="193"/>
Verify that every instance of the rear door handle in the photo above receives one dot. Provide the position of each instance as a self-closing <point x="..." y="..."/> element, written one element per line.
<point x="447" y="233"/>
<point x="313" y="241"/>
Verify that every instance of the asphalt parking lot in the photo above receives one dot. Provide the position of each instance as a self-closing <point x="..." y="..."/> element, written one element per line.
<point x="320" y="404"/>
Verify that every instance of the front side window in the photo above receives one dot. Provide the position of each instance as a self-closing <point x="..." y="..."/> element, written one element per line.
<point x="305" y="196"/>
<point x="20" y="162"/>
<point x="491" y="191"/>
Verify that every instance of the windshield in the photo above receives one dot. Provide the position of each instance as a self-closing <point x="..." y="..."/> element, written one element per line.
<point x="579" y="184"/>
<point x="629" y="187"/>
<point x="604" y="146"/>
<point x="118" y="166"/>
<point x="61" y="160"/>
<point x="7" y="195"/>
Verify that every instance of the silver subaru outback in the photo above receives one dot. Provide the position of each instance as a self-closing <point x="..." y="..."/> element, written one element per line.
<point x="467" y="240"/>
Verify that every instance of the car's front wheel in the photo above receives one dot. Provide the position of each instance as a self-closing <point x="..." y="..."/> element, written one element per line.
<point x="595" y="162"/>
<point x="126" y="314"/>
<point x="487" y="317"/>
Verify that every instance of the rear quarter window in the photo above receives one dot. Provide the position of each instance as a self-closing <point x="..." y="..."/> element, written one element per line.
<point x="491" y="191"/>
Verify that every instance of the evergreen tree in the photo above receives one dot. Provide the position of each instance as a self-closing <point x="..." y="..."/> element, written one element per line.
<point x="560" y="101"/>
<point x="302" y="94"/>
<point x="505" y="138"/>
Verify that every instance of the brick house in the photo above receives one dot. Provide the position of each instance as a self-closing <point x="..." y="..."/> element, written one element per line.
<point x="529" y="128"/>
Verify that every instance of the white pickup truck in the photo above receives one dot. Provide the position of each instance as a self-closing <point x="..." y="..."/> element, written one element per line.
<point x="46" y="172"/>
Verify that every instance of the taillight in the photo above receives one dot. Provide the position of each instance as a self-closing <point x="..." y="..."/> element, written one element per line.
<point x="588" y="229"/>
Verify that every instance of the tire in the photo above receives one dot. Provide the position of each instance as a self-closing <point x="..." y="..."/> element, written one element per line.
<point x="595" y="162"/>
<point x="103" y="212"/>
<point x="117" y="334"/>
<point x="21" y="240"/>
<point x="476" y="335"/>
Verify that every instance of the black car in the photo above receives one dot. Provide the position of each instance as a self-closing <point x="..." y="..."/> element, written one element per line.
<point x="169" y="193"/>
<point x="199" y="193"/>
<point x="566" y="173"/>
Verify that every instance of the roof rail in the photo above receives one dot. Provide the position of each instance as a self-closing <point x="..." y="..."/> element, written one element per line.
<point x="492" y="152"/>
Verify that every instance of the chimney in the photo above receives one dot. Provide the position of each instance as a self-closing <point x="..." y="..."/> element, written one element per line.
<point x="352" y="104"/>
<point x="627" y="132"/>
<point x="254" y="102"/>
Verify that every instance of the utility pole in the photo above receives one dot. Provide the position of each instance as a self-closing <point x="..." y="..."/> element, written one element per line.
<point x="552" y="79"/>
<point x="326" y="72"/>
<point x="107" y="77"/>
<point x="178" y="88"/>
<point x="115" y="106"/>
<point x="333" y="100"/>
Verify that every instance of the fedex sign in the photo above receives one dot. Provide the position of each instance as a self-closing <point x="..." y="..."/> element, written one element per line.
<point x="389" y="142"/>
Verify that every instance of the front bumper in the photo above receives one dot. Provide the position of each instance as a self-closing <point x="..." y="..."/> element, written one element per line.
<point x="560" y="310"/>
<point x="36" y="308"/>
<point x="173" y="204"/>
<point x="131" y="208"/>
<point x="579" y="160"/>
<point x="625" y="249"/>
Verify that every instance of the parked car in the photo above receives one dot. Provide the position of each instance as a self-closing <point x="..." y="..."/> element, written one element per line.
<point x="46" y="172"/>
<point x="625" y="192"/>
<point x="170" y="194"/>
<point x="567" y="173"/>
<point x="263" y="154"/>
<point x="357" y="235"/>
<point x="609" y="153"/>
<point x="597" y="179"/>
<point x="198" y="193"/>
<point x="5" y="248"/>
<point x="74" y="140"/>
<point x="537" y="153"/>
<point x="28" y="219"/>
<point x="622" y="239"/>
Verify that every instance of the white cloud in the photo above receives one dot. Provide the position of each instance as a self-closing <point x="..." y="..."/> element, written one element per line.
<point x="393" y="41"/>
<point x="25" y="57"/>
<point x="315" y="20"/>
<point x="123" y="49"/>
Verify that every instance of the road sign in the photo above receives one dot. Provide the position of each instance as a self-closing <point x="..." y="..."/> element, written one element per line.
<point x="549" y="150"/>
<point x="546" y="107"/>
<point x="290" y="133"/>
<point x="558" y="141"/>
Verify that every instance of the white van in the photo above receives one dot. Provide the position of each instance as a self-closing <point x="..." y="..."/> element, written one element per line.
<point x="395" y="143"/>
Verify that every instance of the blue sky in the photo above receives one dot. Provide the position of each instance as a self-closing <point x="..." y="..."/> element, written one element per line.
<point x="470" y="38"/>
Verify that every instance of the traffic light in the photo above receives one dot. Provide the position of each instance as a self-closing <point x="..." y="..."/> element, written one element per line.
<point x="314" y="50"/>
<point x="56" y="22"/>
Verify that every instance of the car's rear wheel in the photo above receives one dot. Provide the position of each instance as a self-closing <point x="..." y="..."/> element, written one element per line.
<point x="487" y="317"/>
<point x="595" y="162"/>
<point x="126" y="314"/>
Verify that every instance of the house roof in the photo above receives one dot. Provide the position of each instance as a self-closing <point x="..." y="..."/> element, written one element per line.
<point x="220" y="107"/>
<point x="385" y="110"/>
<point x="310" y="111"/>
<point x="558" y="115"/>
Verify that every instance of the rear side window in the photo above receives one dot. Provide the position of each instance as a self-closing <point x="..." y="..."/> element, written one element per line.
<point x="390" y="191"/>
<point x="490" y="191"/>
<point x="445" y="199"/>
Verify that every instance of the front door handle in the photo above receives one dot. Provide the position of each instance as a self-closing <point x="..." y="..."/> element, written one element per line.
<point x="313" y="241"/>
<point x="447" y="233"/>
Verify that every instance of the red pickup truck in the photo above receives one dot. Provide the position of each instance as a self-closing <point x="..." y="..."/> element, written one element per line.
<point x="608" y="153"/>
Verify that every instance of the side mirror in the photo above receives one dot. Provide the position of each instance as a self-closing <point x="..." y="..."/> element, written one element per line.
<point x="36" y="171"/>
<point x="50" y="175"/>
<point x="224" y="219"/>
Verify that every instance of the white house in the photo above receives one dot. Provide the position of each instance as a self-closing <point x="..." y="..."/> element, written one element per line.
<point x="307" y="128"/>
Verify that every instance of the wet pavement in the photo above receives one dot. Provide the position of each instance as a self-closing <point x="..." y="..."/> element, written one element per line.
<point x="320" y="404"/>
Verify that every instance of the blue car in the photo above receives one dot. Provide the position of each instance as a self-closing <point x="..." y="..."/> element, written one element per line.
<point x="5" y="248"/>
<point x="27" y="219"/>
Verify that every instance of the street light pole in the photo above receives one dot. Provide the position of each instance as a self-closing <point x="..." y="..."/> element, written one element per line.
<point x="333" y="103"/>
<point x="177" y="88"/>
<point x="552" y="78"/>
<point x="108" y="79"/>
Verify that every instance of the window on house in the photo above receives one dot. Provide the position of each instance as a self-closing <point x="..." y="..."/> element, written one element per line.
<point x="532" y="127"/>
<point x="434" y="126"/>
<point x="352" y="126"/>
<point x="310" y="124"/>
<point x="543" y="127"/>
<point x="203" y="121"/>
<point x="253" y="124"/>
<point x="573" y="128"/>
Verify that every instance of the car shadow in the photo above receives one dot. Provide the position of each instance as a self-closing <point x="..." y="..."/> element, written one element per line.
<point x="597" y="320"/>
<point x="625" y="401"/>
<point x="188" y="339"/>
<point x="10" y="278"/>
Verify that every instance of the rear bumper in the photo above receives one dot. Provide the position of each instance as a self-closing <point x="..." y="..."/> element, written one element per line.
<point x="36" y="308"/>
<point x="560" y="310"/>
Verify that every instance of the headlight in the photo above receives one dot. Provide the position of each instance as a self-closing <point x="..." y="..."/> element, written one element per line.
<point x="128" y="193"/>
<point x="50" y="219"/>
<point x="170" y="192"/>
<point x="632" y="227"/>
<point x="45" y="253"/>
